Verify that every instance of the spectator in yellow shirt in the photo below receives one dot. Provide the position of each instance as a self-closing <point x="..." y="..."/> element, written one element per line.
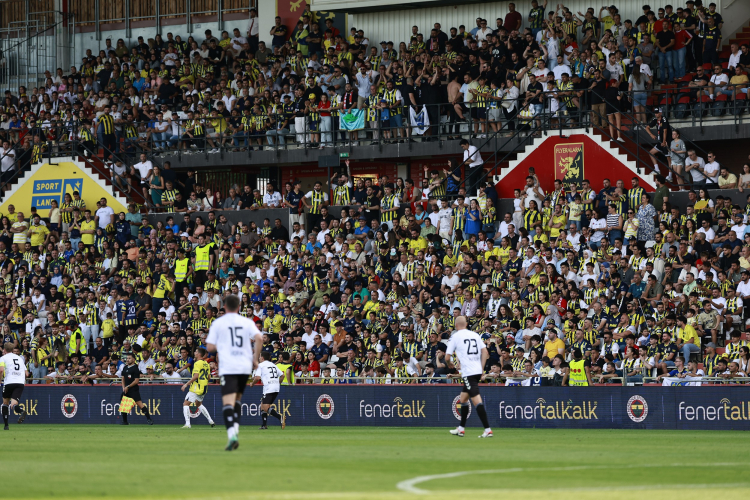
<point x="688" y="341"/>
<point x="38" y="232"/>
<point x="416" y="242"/>
<point x="217" y="138"/>
<point x="108" y="329"/>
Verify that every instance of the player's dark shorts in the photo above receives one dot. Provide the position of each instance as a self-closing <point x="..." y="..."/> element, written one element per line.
<point x="133" y="393"/>
<point x="269" y="398"/>
<point x="232" y="384"/>
<point x="662" y="149"/>
<point x="12" y="391"/>
<point x="471" y="385"/>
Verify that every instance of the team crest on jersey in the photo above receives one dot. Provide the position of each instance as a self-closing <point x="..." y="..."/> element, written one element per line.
<point x="637" y="409"/>
<point x="69" y="406"/>
<point x="325" y="406"/>
<point x="457" y="408"/>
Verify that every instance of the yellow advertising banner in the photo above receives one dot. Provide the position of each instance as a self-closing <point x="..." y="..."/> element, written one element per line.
<point x="50" y="182"/>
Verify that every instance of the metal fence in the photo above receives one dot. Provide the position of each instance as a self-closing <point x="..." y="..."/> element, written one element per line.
<point x="43" y="41"/>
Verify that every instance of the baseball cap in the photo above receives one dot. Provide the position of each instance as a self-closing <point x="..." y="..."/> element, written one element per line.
<point x="184" y="235"/>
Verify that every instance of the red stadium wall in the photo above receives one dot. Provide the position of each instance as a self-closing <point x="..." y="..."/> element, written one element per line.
<point x="554" y="157"/>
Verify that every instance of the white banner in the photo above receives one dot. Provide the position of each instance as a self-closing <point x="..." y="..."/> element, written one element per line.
<point x="692" y="381"/>
<point x="420" y="121"/>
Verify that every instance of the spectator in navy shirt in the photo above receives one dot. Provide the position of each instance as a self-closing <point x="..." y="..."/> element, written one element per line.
<point x="320" y="350"/>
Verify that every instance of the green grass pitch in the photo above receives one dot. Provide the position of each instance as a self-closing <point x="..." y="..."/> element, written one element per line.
<point x="167" y="462"/>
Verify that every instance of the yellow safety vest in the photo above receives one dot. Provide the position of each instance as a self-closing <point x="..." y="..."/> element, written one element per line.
<point x="283" y="367"/>
<point x="181" y="269"/>
<point x="578" y="373"/>
<point x="202" y="257"/>
<point x="72" y="345"/>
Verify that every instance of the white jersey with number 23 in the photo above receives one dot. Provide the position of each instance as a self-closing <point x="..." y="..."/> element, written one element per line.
<point x="233" y="335"/>
<point x="467" y="346"/>
<point x="15" y="369"/>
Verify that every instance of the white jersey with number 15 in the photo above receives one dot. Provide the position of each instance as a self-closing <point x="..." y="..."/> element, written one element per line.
<point x="15" y="369"/>
<point x="467" y="346"/>
<point x="233" y="335"/>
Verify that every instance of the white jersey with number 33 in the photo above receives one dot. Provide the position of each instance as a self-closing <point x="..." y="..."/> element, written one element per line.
<point x="15" y="369"/>
<point x="233" y="335"/>
<point x="269" y="375"/>
<point x="467" y="346"/>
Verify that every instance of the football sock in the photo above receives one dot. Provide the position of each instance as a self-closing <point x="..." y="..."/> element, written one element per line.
<point x="124" y="417"/>
<point x="145" y="412"/>
<point x="228" y="412"/>
<point x="205" y="413"/>
<point x="237" y="414"/>
<point x="274" y="413"/>
<point x="483" y="416"/>
<point x="264" y="417"/>
<point x="6" y="412"/>
<point x="186" y="412"/>
<point x="464" y="413"/>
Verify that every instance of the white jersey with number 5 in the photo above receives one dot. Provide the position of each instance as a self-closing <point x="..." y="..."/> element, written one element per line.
<point x="15" y="369"/>
<point x="467" y="346"/>
<point x="269" y="375"/>
<point x="233" y="335"/>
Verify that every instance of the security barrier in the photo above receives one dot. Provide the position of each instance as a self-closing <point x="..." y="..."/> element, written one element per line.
<point x="618" y="407"/>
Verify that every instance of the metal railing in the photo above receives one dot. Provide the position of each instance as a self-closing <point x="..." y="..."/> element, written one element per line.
<point x="32" y="46"/>
<point x="416" y="380"/>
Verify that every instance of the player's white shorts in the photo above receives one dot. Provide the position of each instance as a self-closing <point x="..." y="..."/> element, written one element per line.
<point x="193" y="397"/>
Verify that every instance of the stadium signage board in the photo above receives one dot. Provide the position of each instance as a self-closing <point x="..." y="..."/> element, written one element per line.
<point x="712" y="407"/>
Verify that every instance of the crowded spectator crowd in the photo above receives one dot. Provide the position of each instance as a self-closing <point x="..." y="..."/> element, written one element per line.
<point x="364" y="279"/>
<point x="235" y="92"/>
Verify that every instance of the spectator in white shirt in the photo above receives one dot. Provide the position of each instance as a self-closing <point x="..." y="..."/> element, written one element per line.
<point x="473" y="164"/>
<point x="695" y="164"/>
<point x="734" y="57"/>
<point x="229" y="99"/>
<point x="711" y="170"/>
<point x="272" y="198"/>
<point x="718" y="79"/>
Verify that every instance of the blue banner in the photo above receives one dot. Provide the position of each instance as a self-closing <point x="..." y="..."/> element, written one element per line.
<point x="713" y="407"/>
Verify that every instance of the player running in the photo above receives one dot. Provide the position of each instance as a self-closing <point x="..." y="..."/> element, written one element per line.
<point x="13" y="373"/>
<point x="472" y="356"/>
<point x="131" y="390"/>
<point x="271" y="377"/>
<point x="198" y="386"/>
<point x="232" y="337"/>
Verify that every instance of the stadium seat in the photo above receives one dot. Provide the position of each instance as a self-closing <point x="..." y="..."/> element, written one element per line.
<point x="707" y="66"/>
<point x="719" y="106"/>
<point x="701" y="106"/>
<point x="682" y="108"/>
<point x="738" y="105"/>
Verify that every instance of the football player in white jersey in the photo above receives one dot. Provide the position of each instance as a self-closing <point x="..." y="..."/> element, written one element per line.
<point x="472" y="356"/>
<point x="13" y="373"/>
<point x="271" y="377"/>
<point x="237" y="342"/>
